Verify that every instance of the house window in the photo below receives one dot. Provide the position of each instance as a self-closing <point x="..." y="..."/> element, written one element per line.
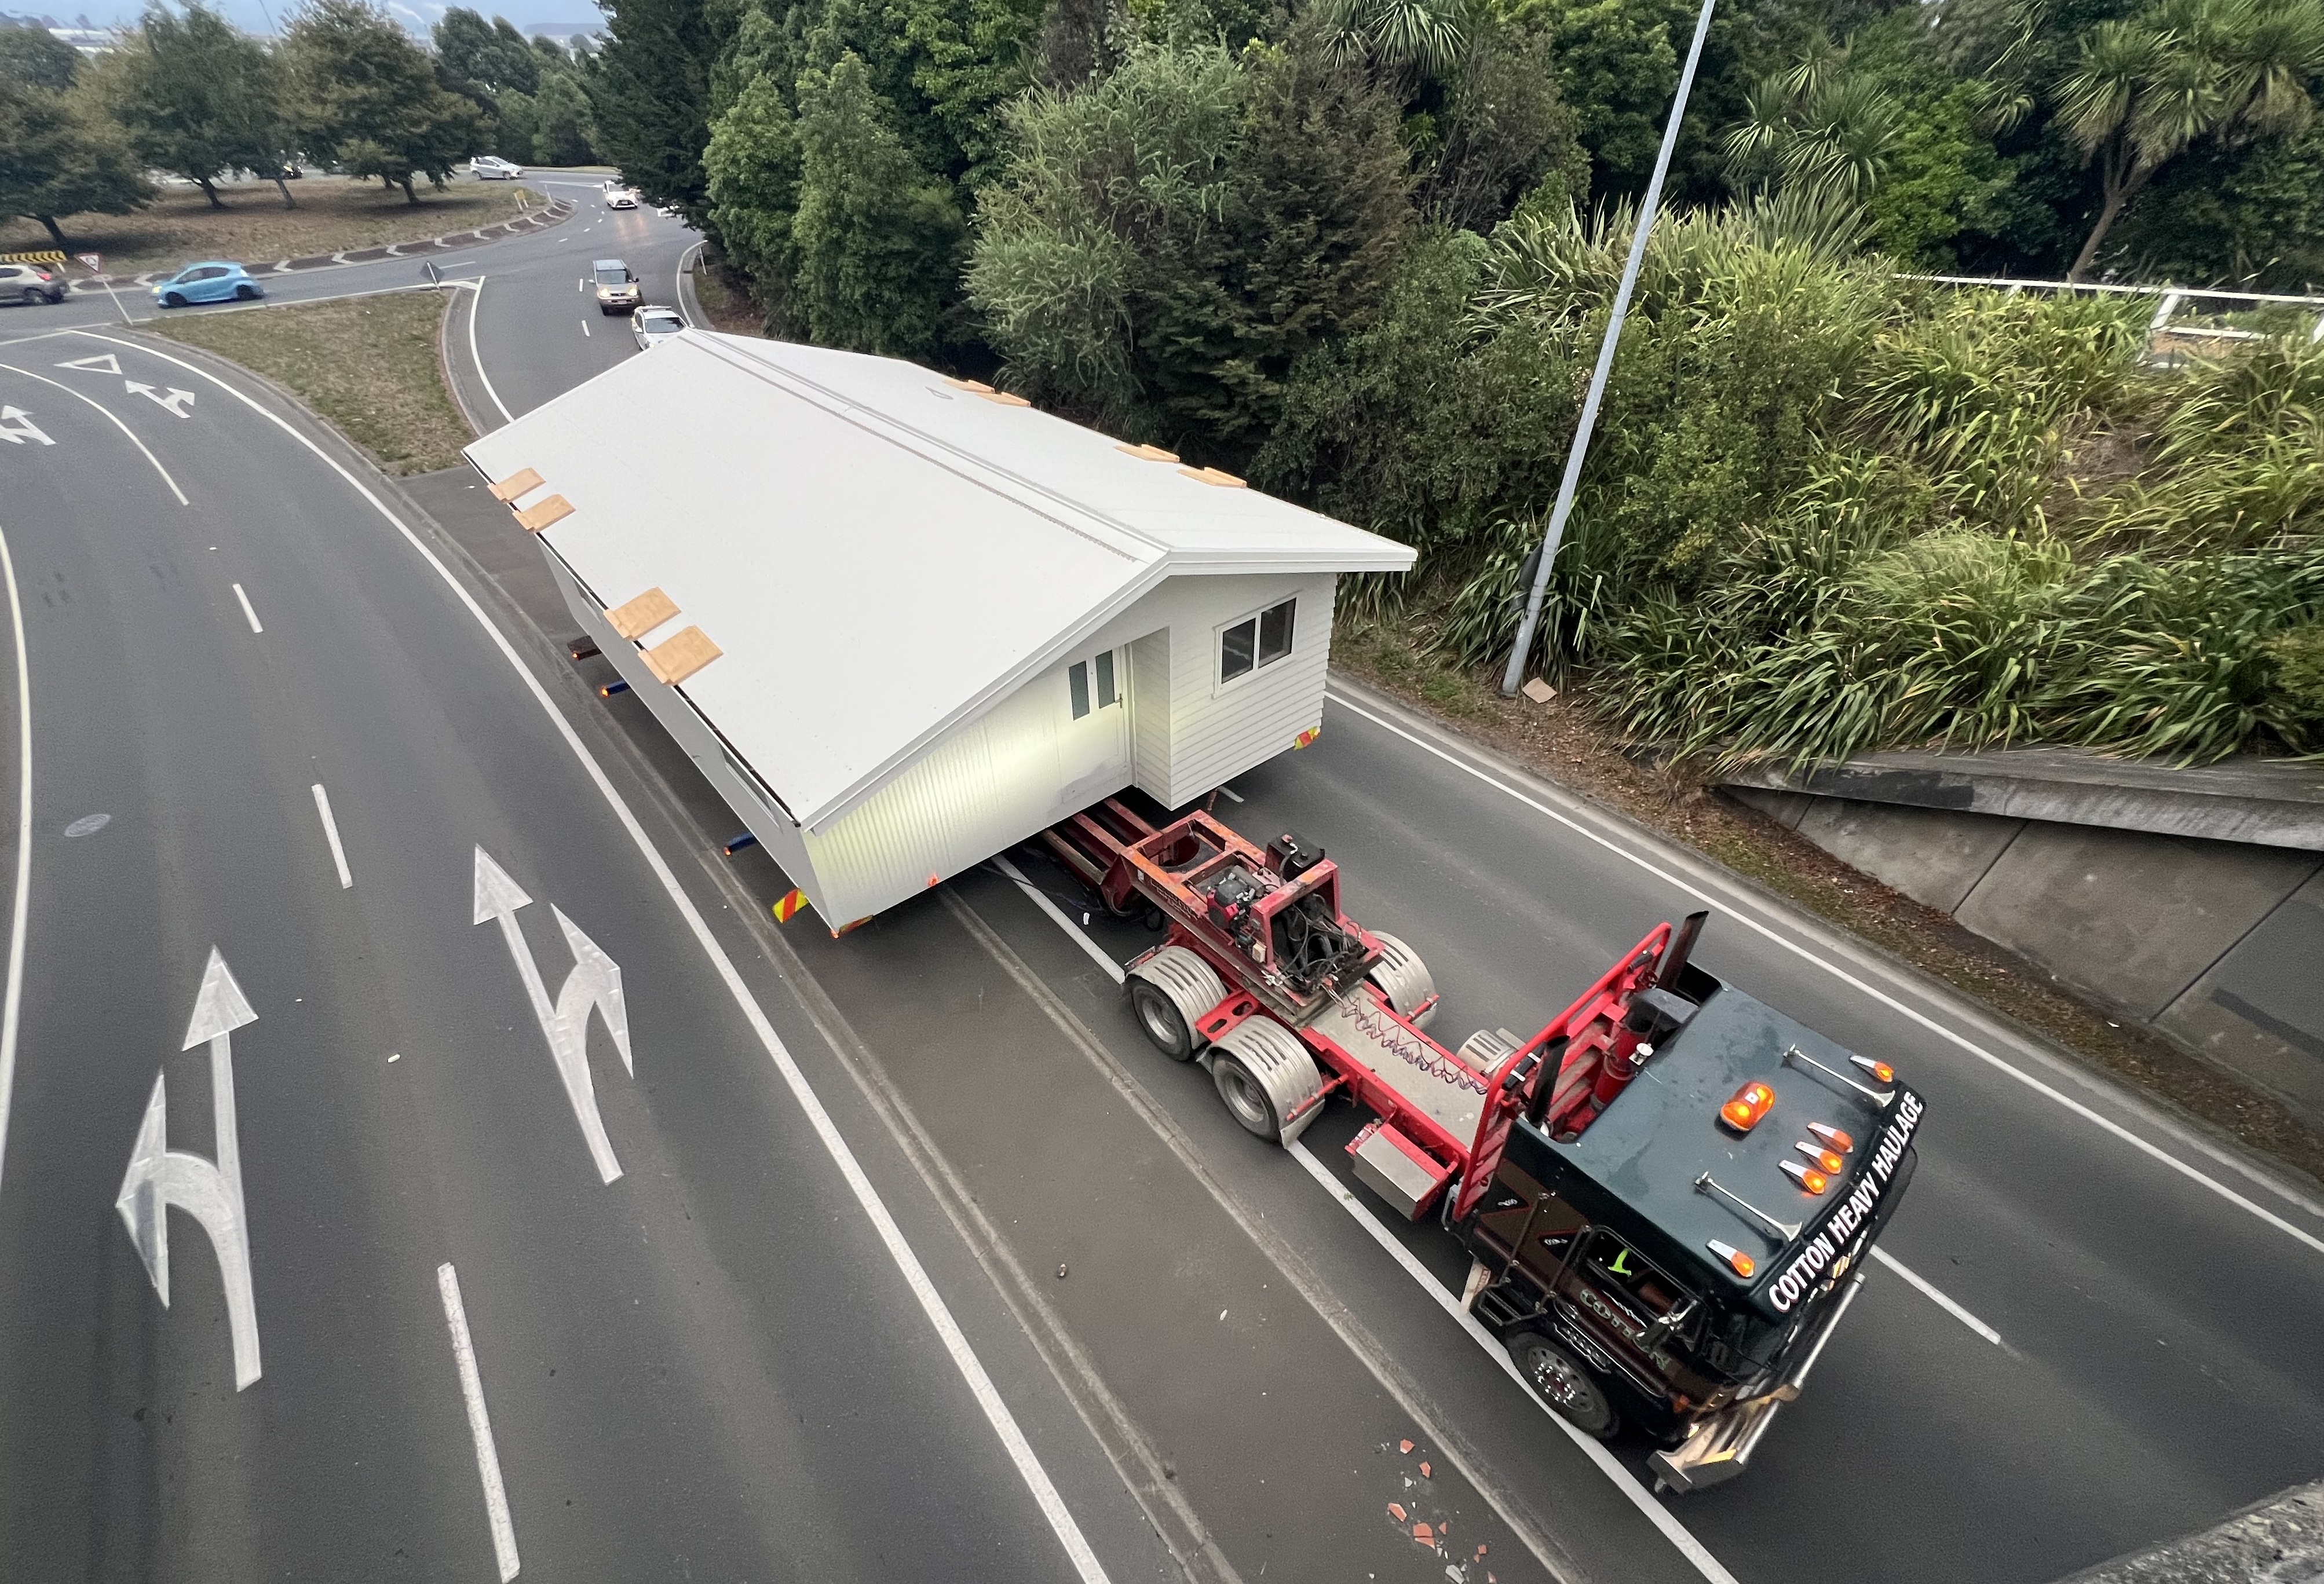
<point x="1077" y="683"/>
<point x="1255" y="641"/>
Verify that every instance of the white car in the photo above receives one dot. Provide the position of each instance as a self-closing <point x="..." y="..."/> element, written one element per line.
<point x="653" y="326"/>
<point x="622" y="198"/>
<point x="493" y="168"/>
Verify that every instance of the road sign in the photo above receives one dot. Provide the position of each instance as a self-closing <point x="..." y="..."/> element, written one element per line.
<point x="94" y="261"/>
<point x="176" y="400"/>
<point x="210" y="1191"/>
<point x="595" y="982"/>
<point x="16" y="427"/>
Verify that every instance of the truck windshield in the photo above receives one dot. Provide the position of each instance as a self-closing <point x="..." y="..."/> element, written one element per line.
<point x="1617" y="1268"/>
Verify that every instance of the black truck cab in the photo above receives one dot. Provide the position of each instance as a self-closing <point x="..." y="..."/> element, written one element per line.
<point x="1680" y="1261"/>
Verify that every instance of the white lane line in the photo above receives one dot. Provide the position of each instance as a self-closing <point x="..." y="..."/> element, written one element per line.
<point x="248" y="614"/>
<point x="476" y="307"/>
<point x="1677" y="1534"/>
<point x="1041" y="900"/>
<point x="480" y="1423"/>
<point x="1845" y="977"/>
<point x="939" y="1316"/>
<point x="331" y="829"/>
<point x="1936" y="1297"/>
<point x="584" y="327"/>
<point x="1640" y="1496"/>
<point x="117" y="424"/>
<point x="12" y="1009"/>
<point x="1231" y="792"/>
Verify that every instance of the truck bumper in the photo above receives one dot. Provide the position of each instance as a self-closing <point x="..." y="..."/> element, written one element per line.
<point x="1718" y="1449"/>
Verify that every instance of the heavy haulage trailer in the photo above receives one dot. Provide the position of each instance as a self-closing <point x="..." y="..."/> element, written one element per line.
<point x="1668" y="1193"/>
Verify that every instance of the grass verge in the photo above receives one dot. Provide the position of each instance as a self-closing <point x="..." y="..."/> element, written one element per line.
<point x="1564" y="741"/>
<point x="334" y="214"/>
<point x="726" y="302"/>
<point x="367" y="363"/>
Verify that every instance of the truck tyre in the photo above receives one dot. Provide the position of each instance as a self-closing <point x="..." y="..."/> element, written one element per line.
<point x="1267" y="1079"/>
<point x="1565" y="1384"/>
<point x="1170" y="990"/>
<point x="1404" y="979"/>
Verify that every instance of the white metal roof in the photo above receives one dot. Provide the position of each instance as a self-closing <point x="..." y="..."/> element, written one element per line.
<point x="878" y="553"/>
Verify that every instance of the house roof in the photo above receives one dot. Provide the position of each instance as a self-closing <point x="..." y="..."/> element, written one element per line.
<point x="877" y="552"/>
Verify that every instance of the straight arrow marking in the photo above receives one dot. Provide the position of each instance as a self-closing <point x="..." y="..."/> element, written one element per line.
<point x="595" y="982"/>
<point x="16" y="427"/>
<point x="176" y="400"/>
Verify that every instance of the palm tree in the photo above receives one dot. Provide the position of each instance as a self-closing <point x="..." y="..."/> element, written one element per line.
<point x="2146" y="87"/>
<point x="1815" y="126"/>
<point x="1407" y="42"/>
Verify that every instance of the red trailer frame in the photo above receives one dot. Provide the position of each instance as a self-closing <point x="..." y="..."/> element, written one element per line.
<point x="1591" y="1053"/>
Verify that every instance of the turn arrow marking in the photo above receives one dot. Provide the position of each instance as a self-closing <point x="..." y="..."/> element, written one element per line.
<point x="210" y="1191"/>
<point x="16" y="427"/>
<point x="595" y="982"/>
<point x="176" y="400"/>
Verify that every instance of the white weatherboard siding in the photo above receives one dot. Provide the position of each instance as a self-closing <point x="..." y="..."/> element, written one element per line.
<point x="1217" y="732"/>
<point x="1150" y="714"/>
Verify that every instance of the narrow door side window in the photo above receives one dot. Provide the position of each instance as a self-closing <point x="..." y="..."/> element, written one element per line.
<point x="1077" y="684"/>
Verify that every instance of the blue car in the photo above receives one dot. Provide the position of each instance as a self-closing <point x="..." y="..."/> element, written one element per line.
<point x="213" y="281"/>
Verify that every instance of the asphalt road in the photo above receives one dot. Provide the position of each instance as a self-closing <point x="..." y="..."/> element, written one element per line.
<point x="2157" y="1305"/>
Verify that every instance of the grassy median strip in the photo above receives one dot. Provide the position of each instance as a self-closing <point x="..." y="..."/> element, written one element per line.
<point x="367" y="363"/>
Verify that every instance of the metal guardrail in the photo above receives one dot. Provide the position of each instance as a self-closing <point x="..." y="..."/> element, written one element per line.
<point x="2174" y="299"/>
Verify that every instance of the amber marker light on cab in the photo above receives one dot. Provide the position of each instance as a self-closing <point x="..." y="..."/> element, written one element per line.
<point x="1879" y="1070"/>
<point x="1826" y="1162"/>
<point x="1741" y="1263"/>
<point x="1752" y="1102"/>
<point x="1826" y="1134"/>
<point x="1806" y="1176"/>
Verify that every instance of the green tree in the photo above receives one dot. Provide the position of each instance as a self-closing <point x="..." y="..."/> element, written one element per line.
<point x="483" y="60"/>
<point x="367" y="97"/>
<point x="1506" y="133"/>
<point x="2145" y="88"/>
<point x="876" y="235"/>
<point x="59" y="158"/>
<point x="35" y="57"/>
<point x="198" y="97"/>
<point x="565" y="130"/>
<point x="752" y="171"/>
<point x="1817" y="126"/>
<point x="650" y="92"/>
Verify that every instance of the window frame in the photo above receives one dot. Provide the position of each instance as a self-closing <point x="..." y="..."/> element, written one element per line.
<point x="1256" y="620"/>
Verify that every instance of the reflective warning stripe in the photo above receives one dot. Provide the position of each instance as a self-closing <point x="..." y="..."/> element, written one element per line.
<point x="790" y="905"/>
<point x="1308" y="736"/>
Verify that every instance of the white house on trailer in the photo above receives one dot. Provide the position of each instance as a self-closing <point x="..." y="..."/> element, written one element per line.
<point x="903" y="622"/>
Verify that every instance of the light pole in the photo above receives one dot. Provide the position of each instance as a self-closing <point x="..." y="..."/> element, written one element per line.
<point x="1581" y="430"/>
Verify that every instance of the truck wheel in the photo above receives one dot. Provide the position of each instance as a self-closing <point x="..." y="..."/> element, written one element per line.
<point x="1565" y="1385"/>
<point x="1404" y="979"/>
<point x="1247" y="1099"/>
<point x="1159" y="1017"/>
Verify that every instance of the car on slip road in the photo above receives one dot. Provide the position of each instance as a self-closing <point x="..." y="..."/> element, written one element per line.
<point x="211" y="281"/>
<point x="493" y="168"/>
<point x="653" y="326"/>
<point x="620" y="198"/>
<point x="618" y="291"/>
<point x="30" y="283"/>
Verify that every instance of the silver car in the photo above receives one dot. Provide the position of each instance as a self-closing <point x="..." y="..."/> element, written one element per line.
<point x="654" y="325"/>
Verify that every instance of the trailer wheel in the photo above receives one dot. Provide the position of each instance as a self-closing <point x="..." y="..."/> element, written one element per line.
<point x="1159" y="1017"/>
<point x="1404" y="979"/>
<point x="1565" y="1384"/>
<point x="1247" y="1099"/>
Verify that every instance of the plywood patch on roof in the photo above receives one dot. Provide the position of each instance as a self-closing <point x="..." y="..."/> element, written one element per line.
<point x="518" y="483"/>
<point x="642" y="615"/>
<point x="681" y="656"/>
<point x="556" y="508"/>
<point x="1147" y="453"/>
<point x="1212" y="475"/>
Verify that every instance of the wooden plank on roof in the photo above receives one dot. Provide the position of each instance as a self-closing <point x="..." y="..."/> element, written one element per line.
<point x="518" y="483"/>
<point x="642" y="615"/>
<point x="555" y="509"/>
<point x="682" y="655"/>
<point x="1147" y="453"/>
<point x="1212" y="475"/>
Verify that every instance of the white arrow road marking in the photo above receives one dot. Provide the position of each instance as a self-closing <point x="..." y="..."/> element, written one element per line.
<point x="16" y="427"/>
<point x="480" y="1421"/>
<point x="176" y="400"/>
<point x="104" y="363"/>
<point x="595" y="982"/>
<point x="331" y="829"/>
<point x="159" y="1177"/>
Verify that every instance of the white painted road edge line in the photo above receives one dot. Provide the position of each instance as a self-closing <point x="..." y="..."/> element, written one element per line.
<point x="475" y="306"/>
<point x="955" y="1341"/>
<point x="1630" y="1486"/>
<point x="1676" y="1532"/>
<point x="480" y="1423"/>
<point x="10" y="1010"/>
<point x="117" y="424"/>
<point x="331" y="829"/>
<point x="1851" y="979"/>
<point x="1938" y="1298"/>
<point x="248" y="614"/>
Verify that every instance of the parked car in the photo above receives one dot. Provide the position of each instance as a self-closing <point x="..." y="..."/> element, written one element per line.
<point x="652" y="325"/>
<point x="212" y="281"/>
<point x="493" y="168"/>
<point x="31" y="283"/>
<point x="621" y="199"/>
<point x="617" y="288"/>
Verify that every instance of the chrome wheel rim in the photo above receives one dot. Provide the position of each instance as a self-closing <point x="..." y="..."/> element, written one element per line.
<point x="1559" y="1379"/>
<point x="1161" y="1020"/>
<point x="1244" y="1098"/>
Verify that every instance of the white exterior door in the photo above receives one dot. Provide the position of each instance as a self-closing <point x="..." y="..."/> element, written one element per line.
<point x="1094" y="753"/>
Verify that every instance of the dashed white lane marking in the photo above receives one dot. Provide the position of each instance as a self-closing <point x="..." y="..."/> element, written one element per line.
<point x="331" y="829"/>
<point x="584" y="327"/>
<point x="1682" y="1538"/>
<point x="248" y="614"/>
<point x="1931" y="1292"/>
<point x="957" y="1349"/>
<point x="1873" y="991"/>
<point x="480" y="1423"/>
